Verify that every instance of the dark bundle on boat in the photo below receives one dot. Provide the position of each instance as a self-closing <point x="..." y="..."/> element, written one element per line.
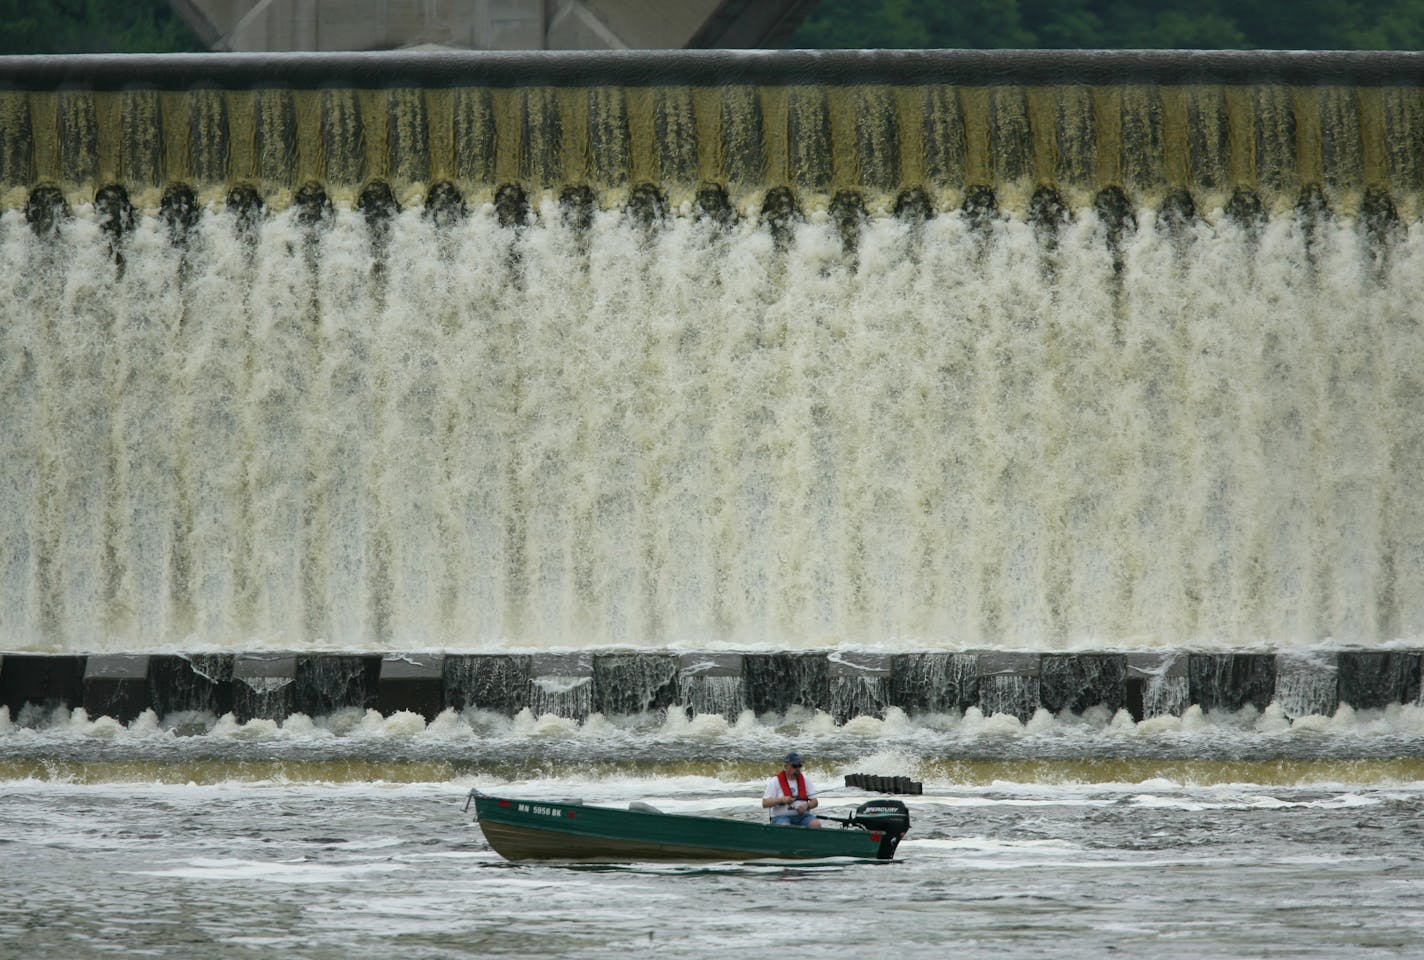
<point x="869" y="781"/>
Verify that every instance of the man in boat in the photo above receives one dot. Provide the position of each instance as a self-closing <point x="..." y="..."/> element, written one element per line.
<point x="790" y="796"/>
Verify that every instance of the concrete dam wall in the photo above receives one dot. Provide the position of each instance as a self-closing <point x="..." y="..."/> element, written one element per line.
<point x="941" y="355"/>
<point x="934" y="127"/>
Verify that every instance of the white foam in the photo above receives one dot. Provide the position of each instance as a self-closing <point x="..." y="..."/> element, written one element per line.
<point x="277" y="872"/>
<point x="1196" y="732"/>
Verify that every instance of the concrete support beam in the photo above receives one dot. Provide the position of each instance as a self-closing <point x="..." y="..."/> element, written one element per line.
<point x="751" y="24"/>
<point x="275" y="25"/>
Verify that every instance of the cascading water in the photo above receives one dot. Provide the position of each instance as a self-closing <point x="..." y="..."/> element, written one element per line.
<point x="473" y="437"/>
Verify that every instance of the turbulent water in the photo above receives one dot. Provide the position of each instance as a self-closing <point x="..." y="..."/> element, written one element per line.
<point x="353" y="743"/>
<point x="481" y="438"/>
<point x="310" y="867"/>
<point x="1221" y="834"/>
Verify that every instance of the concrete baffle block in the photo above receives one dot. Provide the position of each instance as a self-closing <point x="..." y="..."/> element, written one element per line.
<point x="934" y="682"/>
<point x="711" y="684"/>
<point x="778" y="681"/>
<point x="1156" y="685"/>
<point x="44" y="681"/>
<point x="1077" y="681"/>
<point x="192" y="682"/>
<point x="413" y="682"/>
<point x="264" y="686"/>
<point x="561" y="684"/>
<point x="632" y="683"/>
<point x="852" y="664"/>
<point x="1008" y="683"/>
<point x="118" y="686"/>
<point x="710" y="664"/>
<point x="1369" y="679"/>
<point x="859" y="684"/>
<point x="1230" y="681"/>
<point x="488" y="681"/>
<point x="327" y="682"/>
<point x="1307" y="683"/>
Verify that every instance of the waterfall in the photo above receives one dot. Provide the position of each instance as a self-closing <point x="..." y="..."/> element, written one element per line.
<point x="470" y="437"/>
<point x="712" y="381"/>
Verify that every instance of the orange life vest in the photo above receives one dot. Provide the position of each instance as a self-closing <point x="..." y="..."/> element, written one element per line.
<point x="800" y="793"/>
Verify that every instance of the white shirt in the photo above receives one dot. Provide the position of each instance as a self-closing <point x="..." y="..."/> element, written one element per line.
<point x="773" y="789"/>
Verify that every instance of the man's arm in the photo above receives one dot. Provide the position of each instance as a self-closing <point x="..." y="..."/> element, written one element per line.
<point x="811" y="801"/>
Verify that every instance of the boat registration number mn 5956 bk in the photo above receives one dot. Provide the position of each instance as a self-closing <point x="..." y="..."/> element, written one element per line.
<point x="542" y="811"/>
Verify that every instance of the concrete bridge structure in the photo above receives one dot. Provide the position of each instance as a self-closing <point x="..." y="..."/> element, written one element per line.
<point x="278" y="25"/>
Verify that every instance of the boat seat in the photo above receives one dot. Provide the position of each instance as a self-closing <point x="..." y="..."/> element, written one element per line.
<point x="642" y="807"/>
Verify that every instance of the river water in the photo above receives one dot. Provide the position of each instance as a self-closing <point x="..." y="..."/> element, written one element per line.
<point x="1216" y="836"/>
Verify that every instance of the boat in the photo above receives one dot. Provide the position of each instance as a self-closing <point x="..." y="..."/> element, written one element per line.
<point x="573" y="831"/>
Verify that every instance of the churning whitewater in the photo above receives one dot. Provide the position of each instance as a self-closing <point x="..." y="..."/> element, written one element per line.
<point x="946" y="434"/>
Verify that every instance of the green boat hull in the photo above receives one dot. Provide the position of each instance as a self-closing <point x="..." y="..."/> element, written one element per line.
<point x="544" y="830"/>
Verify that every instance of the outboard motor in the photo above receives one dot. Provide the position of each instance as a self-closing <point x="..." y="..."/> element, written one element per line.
<point x="888" y="818"/>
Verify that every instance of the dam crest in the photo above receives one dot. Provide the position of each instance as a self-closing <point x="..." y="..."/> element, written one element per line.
<point x="1263" y="128"/>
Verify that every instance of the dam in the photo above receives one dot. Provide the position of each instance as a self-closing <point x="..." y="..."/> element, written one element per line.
<point x="849" y="381"/>
<point x="912" y="127"/>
